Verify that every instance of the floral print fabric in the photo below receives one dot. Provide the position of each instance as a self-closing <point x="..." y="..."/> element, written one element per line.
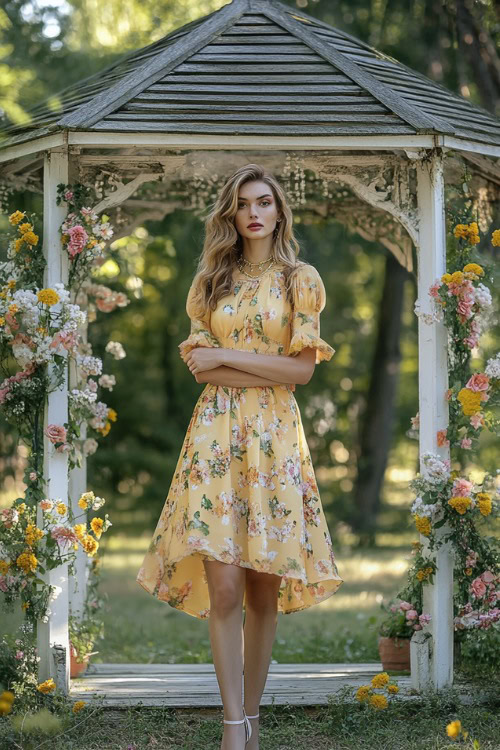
<point x="244" y="490"/>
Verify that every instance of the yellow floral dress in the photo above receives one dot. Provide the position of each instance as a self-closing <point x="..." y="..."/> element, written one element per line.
<point x="244" y="490"/>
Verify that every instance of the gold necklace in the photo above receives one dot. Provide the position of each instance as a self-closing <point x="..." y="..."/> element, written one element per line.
<point x="240" y="266"/>
<point x="249" y="263"/>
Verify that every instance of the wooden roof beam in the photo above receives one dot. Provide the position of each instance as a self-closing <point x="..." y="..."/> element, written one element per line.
<point x="134" y="83"/>
<point x="411" y="115"/>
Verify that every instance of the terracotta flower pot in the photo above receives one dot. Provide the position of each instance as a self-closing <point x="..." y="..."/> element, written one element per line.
<point x="77" y="667"/>
<point x="394" y="653"/>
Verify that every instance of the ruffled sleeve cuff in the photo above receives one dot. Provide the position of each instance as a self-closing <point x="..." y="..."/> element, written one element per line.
<point x="201" y="337"/>
<point x="302" y="340"/>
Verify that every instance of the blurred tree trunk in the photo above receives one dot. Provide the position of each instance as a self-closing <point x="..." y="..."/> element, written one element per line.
<point x="378" y="417"/>
<point x="477" y="47"/>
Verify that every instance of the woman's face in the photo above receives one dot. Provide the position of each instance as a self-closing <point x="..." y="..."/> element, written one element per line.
<point x="256" y="205"/>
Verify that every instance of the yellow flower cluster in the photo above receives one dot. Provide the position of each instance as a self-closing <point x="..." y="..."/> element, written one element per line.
<point x="365" y="692"/>
<point x="424" y="573"/>
<point x="96" y="525"/>
<point x="61" y="508"/>
<point x="47" y="686"/>
<point x="90" y="545"/>
<point x="470" y="400"/>
<point x="16" y="217"/>
<point x="495" y="238"/>
<point x="454" y="728"/>
<point x="86" y="499"/>
<point x="6" y="701"/>
<point x="484" y="503"/>
<point x="423" y="524"/>
<point x="460" y="504"/>
<point x="379" y="680"/>
<point x="456" y="277"/>
<point x="48" y="296"/>
<point x="26" y="230"/>
<point x="27" y="561"/>
<point x="469" y="232"/>
<point x="78" y="705"/>
<point x="474" y="268"/>
<point x="4" y="567"/>
<point x="32" y="534"/>
<point x="80" y="530"/>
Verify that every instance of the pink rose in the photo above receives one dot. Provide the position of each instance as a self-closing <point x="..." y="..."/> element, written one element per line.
<point x="487" y="576"/>
<point x="55" y="433"/>
<point x="19" y="654"/>
<point x="478" y="382"/>
<point x="411" y="614"/>
<point x="68" y="195"/>
<point x="78" y="239"/>
<point x="424" y="618"/>
<point x="433" y="291"/>
<point x="464" y="308"/>
<point x="477" y="420"/>
<point x="466" y="443"/>
<point x="405" y="605"/>
<point x="462" y="487"/>
<point x="478" y="588"/>
<point x="10" y="516"/>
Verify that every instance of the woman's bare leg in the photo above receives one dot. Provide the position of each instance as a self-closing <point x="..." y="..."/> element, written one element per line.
<point x="261" y="618"/>
<point x="226" y="584"/>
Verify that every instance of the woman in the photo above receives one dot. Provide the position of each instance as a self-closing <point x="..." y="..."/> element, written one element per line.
<point x="243" y="523"/>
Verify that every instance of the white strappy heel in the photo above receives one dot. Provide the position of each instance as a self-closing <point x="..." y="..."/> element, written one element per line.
<point x="251" y="717"/>
<point x="248" y="726"/>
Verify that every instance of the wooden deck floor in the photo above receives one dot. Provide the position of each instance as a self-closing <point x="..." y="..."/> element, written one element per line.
<point x="195" y="685"/>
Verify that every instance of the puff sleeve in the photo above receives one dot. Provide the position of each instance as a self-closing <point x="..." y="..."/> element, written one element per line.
<point x="201" y="333"/>
<point x="308" y="300"/>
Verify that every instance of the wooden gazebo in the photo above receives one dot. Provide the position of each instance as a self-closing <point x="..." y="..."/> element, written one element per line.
<point x="353" y="134"/>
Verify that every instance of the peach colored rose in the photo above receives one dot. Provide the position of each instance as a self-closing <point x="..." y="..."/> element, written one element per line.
<point x="478" y="382"/>
<point x="55" y="433"/>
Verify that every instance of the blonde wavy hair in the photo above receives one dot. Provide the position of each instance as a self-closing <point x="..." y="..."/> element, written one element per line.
<point x="223" y="243"/>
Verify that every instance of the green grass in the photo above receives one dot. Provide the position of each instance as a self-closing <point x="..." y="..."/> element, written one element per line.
<point x="419" y="725"/>
<point x="140" y="629"/>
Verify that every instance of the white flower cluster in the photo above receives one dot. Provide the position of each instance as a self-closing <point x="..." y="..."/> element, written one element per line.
<point x="436" y="470"/>
<point x="492" y="369"/>
<point x="434" y="511"/>
<point x="115" y="349"/>
<point x="107" y="381"/>
<point x="79" y="397"/>
<point x="436" y="316"/>
<point x="89" y="365"/>
<point x="483" y="296"/>
<point x="100" y="412"/>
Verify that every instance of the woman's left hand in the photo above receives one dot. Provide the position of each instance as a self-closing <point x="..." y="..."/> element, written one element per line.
<point x="203" y="358"/>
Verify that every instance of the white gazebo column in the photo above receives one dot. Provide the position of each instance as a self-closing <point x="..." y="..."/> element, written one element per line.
<point x="432" y="658"/>
<point x="52" y="636"/>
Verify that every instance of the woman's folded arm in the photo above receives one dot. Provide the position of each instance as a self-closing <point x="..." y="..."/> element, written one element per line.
<point x="225" y="375"/>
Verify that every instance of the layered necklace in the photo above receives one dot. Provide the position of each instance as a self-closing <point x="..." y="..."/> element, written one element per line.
<point x="242" y="262"/>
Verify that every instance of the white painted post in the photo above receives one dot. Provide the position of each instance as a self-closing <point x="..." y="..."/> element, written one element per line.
<point x="52" y="636"/>
<point x="433" y="410"/>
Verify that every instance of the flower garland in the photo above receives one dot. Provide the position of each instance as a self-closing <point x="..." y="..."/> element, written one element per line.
<point x="462" y="301"/>
<point x="39" y="333"/>
<point x="27" y="550"/>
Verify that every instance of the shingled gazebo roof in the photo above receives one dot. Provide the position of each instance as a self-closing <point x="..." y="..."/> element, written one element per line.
<point x="259" y="67"/>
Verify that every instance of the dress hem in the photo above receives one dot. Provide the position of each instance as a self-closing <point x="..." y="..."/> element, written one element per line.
<point x="197" y="553"/>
